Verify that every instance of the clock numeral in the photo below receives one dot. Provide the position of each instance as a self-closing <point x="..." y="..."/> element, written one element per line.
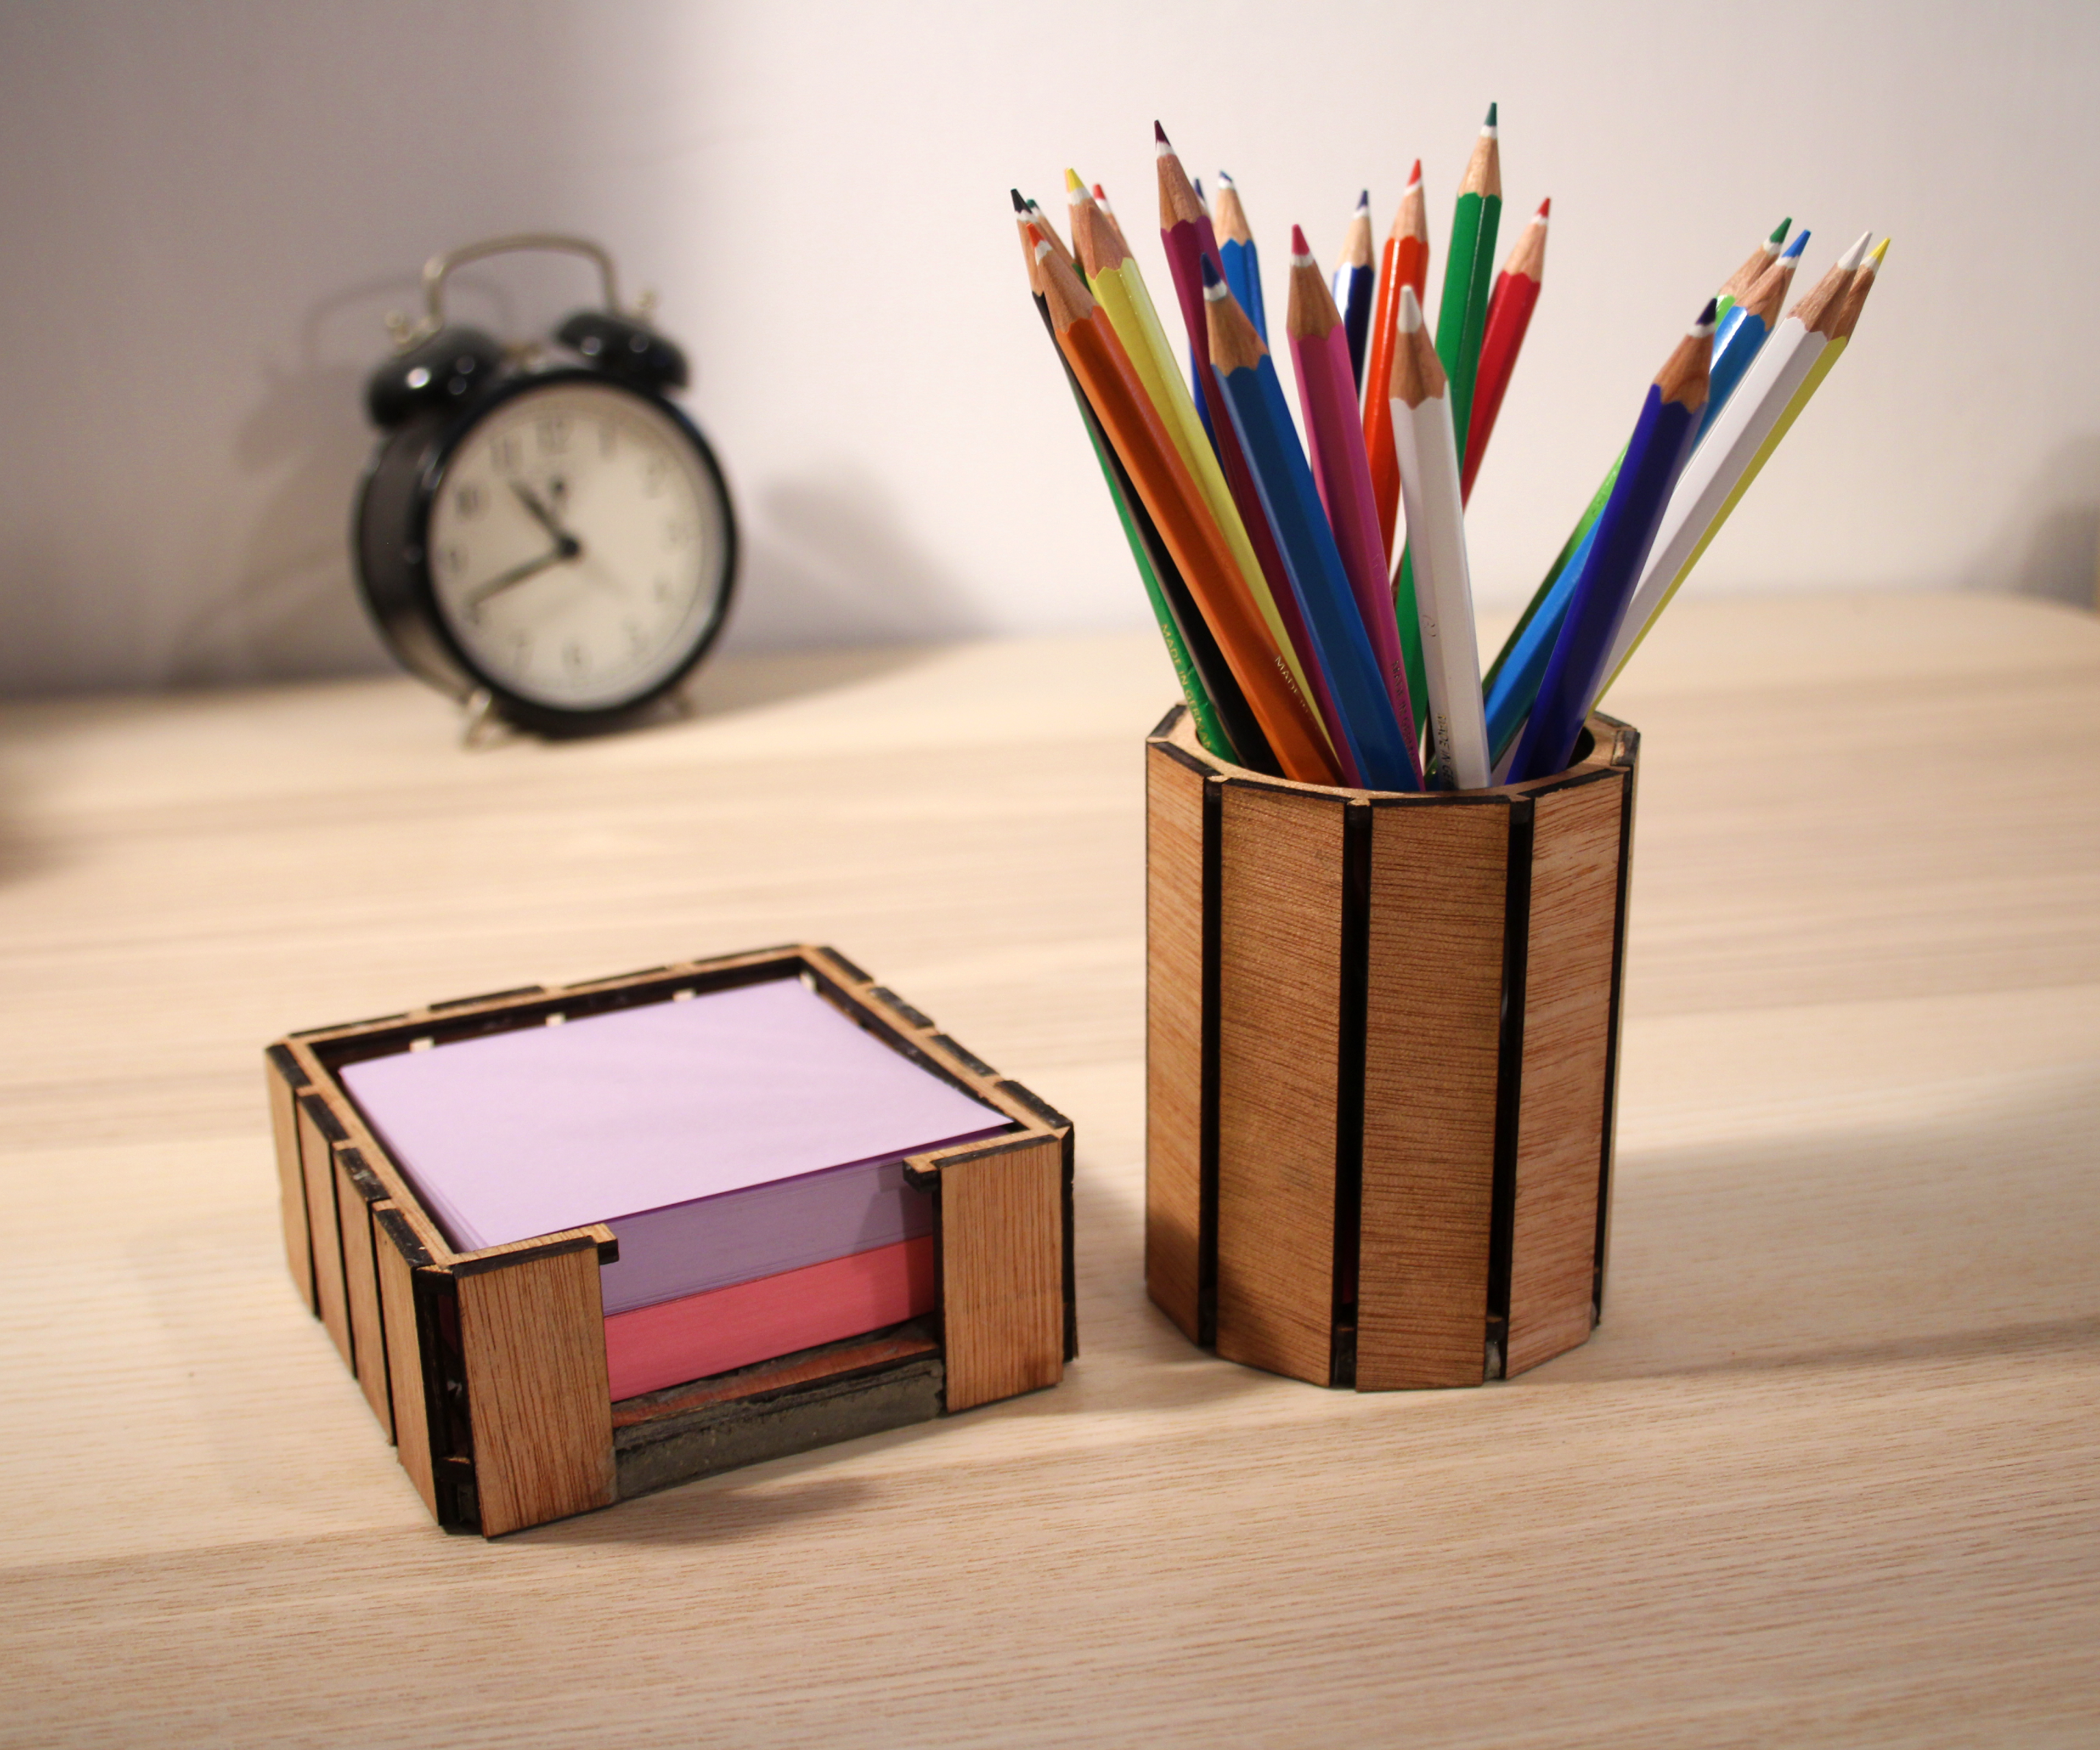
<point x="636" y="637"/>
<point x="554" y="435"/>
<point x="521" y="648"/>
<point x="576" y="656"/>
<point x="661" y="590"/>
<point x="469" y="500"/>
<point x="451" y="559"/>
<point x="508" y="451"/>
<point x="655" y="474"/>
<point x="677" y="532"/>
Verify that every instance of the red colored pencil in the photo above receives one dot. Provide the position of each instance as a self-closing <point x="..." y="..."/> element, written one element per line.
<point x="1510" y="306"/>
<point x="1405" y="262"/>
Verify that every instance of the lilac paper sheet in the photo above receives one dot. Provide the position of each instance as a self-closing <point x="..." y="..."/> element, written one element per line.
<point x="520" y="1134"/>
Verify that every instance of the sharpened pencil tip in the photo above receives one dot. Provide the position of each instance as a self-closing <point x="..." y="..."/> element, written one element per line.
<point x="1299" y="245"/>
<point x="1019" y="205"/>
<point x="1546" y="208"/>
<point x="1792" y="252"/>
<point x="1857" y="254"/>
<point x="1414" y="177"/>
<point x="1214" y="284"/>
<point x="1779" y="231"/>
<point x="1881" y="250"/>
<point x="1364" y="203"/>
<point x="1704" y="325"/>
<point x="1410" y="311"/>
<point x="1490" y="121"/>
<point x="1073" y="185"/>
<point x="1159" y="134"/>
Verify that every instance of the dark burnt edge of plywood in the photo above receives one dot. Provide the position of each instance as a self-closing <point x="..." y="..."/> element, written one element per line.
<point x="350" y="1161"/>
<point x="1207" y="1050"/>
<point x="846" y="965"/>
<point x="1509" y="1080"/>
<point x="1057" y="1121"/>
<point x="452" y="1479"/>
<point x="390" y="1221"/>
<point x="279" y="1060"/>
<point x="1626" y="757"/>
<point x="965" y="1056"/>
<point x="312" y="1102"/>
<point x="918" y="1017"/>
<point x="1353" y="1046"/>
<point x="1168" y="724"/>
<point x="487" y="996"/>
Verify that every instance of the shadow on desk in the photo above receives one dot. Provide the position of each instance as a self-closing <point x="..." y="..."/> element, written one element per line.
<point x="1965" y="1235"/>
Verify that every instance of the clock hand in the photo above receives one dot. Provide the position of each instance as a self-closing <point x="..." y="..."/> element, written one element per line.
<point x="565" y="544"/>
<point x="518" y="574"/>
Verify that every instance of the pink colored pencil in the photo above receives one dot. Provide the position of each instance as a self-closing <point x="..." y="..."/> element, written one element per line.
<point x="1341" y="464"/>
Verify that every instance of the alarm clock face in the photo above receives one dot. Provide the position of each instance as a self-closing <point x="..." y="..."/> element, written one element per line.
<point x="578" y="546"/>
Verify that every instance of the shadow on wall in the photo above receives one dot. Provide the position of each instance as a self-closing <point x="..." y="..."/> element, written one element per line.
<point x="826" y="560"/>
<point x="292" y="609"/>
<point x="2049" y="545"/>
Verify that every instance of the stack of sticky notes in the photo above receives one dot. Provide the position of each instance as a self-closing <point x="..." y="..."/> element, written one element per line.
<point x="746" y="1146"/>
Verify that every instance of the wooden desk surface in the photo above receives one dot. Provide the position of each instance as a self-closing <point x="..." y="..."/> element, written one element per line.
<point x="1827" y="1475"/>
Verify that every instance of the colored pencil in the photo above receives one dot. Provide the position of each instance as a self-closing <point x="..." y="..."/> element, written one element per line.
<point x="1117" y="283"/>
<point x="1427" y="444"/>
<point x="1108" y="213"/>
<point x="1469" y="274"/>
<point x="1185" y="234"/>
<point x="1510" y="306"/>
<point x="1405" y="262"/>
<point x="1655" y="455"/>
<point x="1327" y="398"/>
<point x="1752" y="269"/>
<point x="1461" y="322"/>
<point x="1355" y="282"/>
<point x="1741" y="333"/>
<point x="1771" y="394"/>
<point x="1372" y="740"/>
<point x="1238" y="257"/>
<point x="1088" y="341"/>
<point x="1214" y="698"/>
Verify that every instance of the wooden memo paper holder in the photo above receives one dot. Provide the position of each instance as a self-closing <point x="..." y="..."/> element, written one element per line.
<point x="487" y="1368"/>
<point x="1382" y="1045"/>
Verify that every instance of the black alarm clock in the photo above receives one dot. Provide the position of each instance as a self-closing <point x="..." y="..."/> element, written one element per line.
<point x="541" y="533"/>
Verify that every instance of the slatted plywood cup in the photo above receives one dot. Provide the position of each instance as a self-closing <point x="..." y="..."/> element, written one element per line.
<point x="1382" y="1041"/>
<point x="487" y="1368"/>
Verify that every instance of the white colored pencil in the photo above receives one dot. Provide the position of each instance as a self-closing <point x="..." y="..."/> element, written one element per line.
<point x="1429" y="453"/>
<point x="1739" y="431"/>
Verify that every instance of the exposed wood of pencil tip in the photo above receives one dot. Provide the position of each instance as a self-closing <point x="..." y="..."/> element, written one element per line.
<point x="1067" y="297"/>
<point x="1025" y="227"/>
<point x="1357" y="241"/>
<point x="1108" y="215"/>
<point x="1100" y="245"/>
<point x="1041" y="220"/>
<point x="1235" y="344"/>
<point x="1682" y="377"/>
<point x="1527" y="258"/>
<point x="1484" y="169"/>
<point x="1227" y="215"/>
<point x="1311" y="314"/>
<point x="1763" y="299"/>
<point x="1417" y="373"/>
<point x="1817" y="312"/>
<point x="1846" y="317"/>
<point x="1178" y="205"/>
<point x="1410" y="219"/>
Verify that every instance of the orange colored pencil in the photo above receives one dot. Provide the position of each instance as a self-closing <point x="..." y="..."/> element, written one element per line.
<point x="1405" y="262"/>
<point x="1510" y="306"/>
<point x="1192" y="536"/>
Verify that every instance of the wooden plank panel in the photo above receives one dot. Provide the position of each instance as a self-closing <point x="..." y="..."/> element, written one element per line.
<point x="1574" y="902"/>
<point x="355" y="1192"/>
<point x="278" y="1071"/>
<point x="397" y="1253"/>
<point x="1173" y="1036"/>
<point x="1002" y="1271"/>
<point x="533" y="1335"/>
<point x="1279" y="1018"/>
<point x="318" y="1135"/>
<point x="1439" y="874"/>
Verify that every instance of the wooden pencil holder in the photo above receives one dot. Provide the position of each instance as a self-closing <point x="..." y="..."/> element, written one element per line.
<point x="1381" y="1044"/>
<point x="487" y="1368"/>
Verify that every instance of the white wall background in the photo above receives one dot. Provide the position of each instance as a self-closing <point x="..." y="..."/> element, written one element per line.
<point x="208" y="207"/>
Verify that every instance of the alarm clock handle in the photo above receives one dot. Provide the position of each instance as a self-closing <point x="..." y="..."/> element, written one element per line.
<point x="439" y="268"/>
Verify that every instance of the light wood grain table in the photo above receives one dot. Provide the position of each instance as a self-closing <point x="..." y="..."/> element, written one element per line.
<point x="1829" y="1472"/>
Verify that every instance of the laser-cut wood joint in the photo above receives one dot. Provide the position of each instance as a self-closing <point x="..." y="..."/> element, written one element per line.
<point x="487" y="1368"/>
<point x="1382" y="1050"/>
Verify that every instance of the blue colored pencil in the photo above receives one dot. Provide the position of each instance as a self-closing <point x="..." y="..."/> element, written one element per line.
<point x="1239" y="256"/>
<point x="1655" y="455"/>
<point x="1250" y="391"/>
<point x="1515" y="683"/>
<point x="1355" y="282"/>
<point x="1747" y="326"/>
